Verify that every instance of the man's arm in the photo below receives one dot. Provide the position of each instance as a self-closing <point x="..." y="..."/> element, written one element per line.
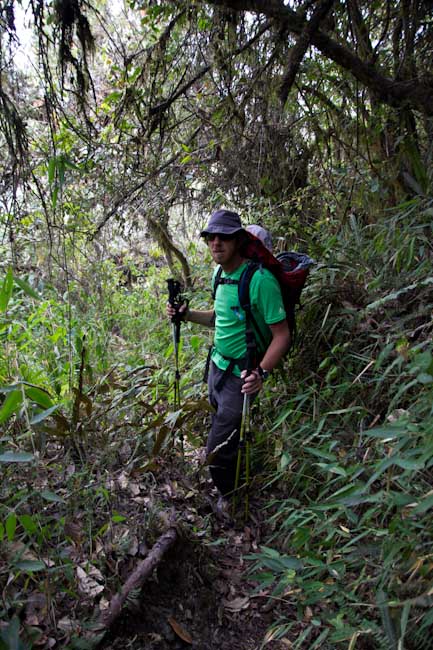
<point x="201" y="317"/>
<point x="277" y="349"/>
<point x="278" y="346"/>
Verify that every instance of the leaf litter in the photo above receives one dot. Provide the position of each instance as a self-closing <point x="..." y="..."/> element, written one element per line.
<point x="198" y="597"/>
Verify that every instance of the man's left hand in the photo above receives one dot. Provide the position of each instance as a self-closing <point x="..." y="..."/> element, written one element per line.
<point x="252" y="382"/>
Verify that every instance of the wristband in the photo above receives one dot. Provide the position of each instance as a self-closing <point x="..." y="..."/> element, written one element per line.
<point x="263" y="374"/>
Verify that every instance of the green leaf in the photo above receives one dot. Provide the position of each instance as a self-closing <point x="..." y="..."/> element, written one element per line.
<point x="30" y="566"/>
<point x="39" y="396"/>
<point x="291" y="562"/>
<point x="54" y="197"/>
<point x="320" y="453"/>
<point x="11" y="404"/>
<point x="9" y="637"/>
<point x="52" y="164"/>
<point x="70" y="165"/>
<point x="424" y="505"/>
<point x="11" y="526"/>
<point x="51" y="496"/>
<point x="6" y="290"/>
<point x="28" y="523"/>
<point x="386" y="432"/>
<point x="61" y="170"/>
<point x="113" y="97"/>
<point x="284" y="460"/>
<point x="424" y="378"/>
<point x="195" y="343"/>
<point x="44" y="414"/>
<point x="333" y="468"/>
<point x="269" y="552"/>
<point x="423" y="361"/>
<point x="16" y="457"/>
<point x="25" y="286"/>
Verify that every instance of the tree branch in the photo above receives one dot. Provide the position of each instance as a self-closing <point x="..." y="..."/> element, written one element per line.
<point x="163" y="106"/>
<point x="137" y="578"/>
<point x="415" y="93"/>
<point x="304" y="41"/>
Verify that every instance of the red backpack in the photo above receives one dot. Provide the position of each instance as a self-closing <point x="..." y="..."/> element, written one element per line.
<point x="290" y="269"/>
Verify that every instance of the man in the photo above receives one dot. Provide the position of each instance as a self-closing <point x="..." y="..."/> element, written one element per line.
<point x="228" y="381"/>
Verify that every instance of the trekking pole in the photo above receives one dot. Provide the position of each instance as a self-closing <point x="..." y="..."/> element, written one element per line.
<point x="174" y="291"/>
<point x="243" y="445"/>
<point x="245" y="430"/>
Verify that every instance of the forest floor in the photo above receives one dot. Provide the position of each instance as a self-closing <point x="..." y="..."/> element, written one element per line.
<point x="202" y="594"/>
<point x="87" y="526"/>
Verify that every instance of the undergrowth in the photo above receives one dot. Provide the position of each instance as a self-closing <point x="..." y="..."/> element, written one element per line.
<point x="87" y="386"/>
<point x="351" y="544"/>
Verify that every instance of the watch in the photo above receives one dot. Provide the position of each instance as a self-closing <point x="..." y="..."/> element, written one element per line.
<point x="263" y="374"/>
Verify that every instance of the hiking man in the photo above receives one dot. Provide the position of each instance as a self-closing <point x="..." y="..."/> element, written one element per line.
<point x="228" y="381"/>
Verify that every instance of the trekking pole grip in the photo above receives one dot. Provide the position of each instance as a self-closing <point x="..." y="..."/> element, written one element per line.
<point x="174" y="292"/>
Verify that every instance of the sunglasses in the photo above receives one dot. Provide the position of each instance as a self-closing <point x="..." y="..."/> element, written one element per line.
<point x="221" y="236"/>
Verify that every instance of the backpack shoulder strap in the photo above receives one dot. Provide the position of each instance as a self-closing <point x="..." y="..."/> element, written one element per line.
<point x="219" y="280"/>
<point x="244" y="300"/>
<point x="244" y="285"/>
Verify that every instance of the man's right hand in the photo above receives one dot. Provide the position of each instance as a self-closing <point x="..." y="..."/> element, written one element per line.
<point x="182" y="311"/>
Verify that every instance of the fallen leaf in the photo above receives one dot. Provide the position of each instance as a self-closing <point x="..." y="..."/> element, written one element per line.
<point x="123" y="481"/>
<point x="236" y="605"/>
<point x="133" y="546"/>
<point x="178" y="629"/>
<point x="18" y="551"/>
<point x="36" y="609"/>
<point x="74" y="530"/>
<point x="104" y="604"/>
<point x="66" y="624"/>
<point x="134" y="489"/>
<point x="270" y="635"/>
<point x="397" y="415"/>
<point x="87" y="584"/>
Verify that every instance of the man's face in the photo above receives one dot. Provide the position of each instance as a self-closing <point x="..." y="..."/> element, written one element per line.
<point x="223" y="248"/>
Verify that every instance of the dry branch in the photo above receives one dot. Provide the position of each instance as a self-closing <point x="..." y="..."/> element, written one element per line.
<point x="138" y="577"/>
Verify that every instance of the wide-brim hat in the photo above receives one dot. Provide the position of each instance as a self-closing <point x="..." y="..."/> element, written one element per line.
<point x="223" y="222"/>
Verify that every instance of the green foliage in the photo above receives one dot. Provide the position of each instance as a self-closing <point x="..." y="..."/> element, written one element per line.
<point x="10" y="637"/>
<point x="185" y="115"/>
<point x="356" y="449"/>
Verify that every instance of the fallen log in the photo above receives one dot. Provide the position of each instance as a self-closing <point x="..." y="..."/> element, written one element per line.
<point x="137" y="578"/>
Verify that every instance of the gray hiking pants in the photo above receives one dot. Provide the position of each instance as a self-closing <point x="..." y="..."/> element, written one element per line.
<point x="225" y="428"/>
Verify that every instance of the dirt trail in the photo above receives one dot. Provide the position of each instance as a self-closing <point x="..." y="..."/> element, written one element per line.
<point x="201" y="595"/>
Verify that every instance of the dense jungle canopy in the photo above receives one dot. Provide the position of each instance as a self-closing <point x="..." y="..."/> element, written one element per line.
<point x="123" y="125"/>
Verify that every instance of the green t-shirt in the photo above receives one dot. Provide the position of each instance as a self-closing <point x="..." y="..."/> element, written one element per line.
<point x="267" y="309"/>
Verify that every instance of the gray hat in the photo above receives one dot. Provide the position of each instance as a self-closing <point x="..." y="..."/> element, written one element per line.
<point x="223" y="222"/>
<point x="262" y="234"/>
